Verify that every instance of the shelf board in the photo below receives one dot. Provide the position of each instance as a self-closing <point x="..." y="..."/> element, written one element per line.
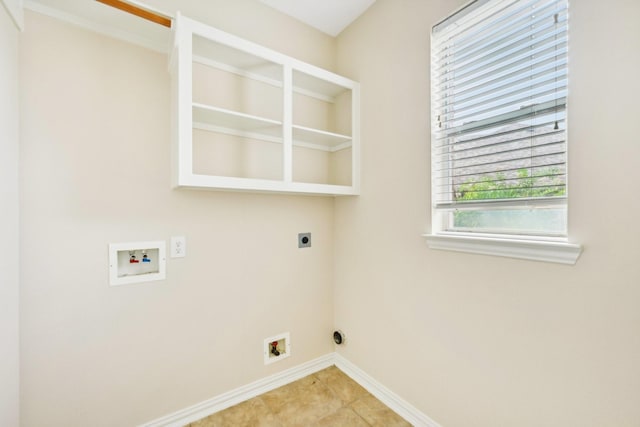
<point x="319" y="139"/>
<point x="215" y="119"/>
<point x="210" y="182"/>
<point x="307" y="84"/>
<point x="231" y="59"/>
<point x="224" y="118"/>
<point x="271" y="74"/>
<point x="268" y="73"/>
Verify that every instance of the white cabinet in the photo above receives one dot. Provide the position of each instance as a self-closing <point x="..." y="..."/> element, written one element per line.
<point x="248" y="118"/>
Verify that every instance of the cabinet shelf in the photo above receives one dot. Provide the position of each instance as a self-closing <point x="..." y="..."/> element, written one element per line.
<point x="211" y="118"/>
<point x="271" y="74"/>
<point x="221" y="120"/>
<point x="224" y="57"/>
<point x="320" y="140"/>
<point x="242" y="95"/>
<point x="307" y="84"/>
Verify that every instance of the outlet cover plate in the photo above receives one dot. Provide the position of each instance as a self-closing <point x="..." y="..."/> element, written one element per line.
<point x="178" y="247"/>
<point x="304" y="240"/>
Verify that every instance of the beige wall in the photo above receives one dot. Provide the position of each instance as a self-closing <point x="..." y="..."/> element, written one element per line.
<point x="259" y="23"/>
<point x="9" y="221"/>
<point x="95" y="170"/>
<point x="482" y="341"/>
<point x="469" y="340"/>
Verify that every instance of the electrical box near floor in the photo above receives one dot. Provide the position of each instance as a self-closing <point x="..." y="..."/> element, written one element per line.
<point x="277" y="348"/>
<point x="136" y="262"/>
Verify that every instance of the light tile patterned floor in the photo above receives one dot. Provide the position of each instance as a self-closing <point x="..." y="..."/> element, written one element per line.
<point x="328" y="398"/>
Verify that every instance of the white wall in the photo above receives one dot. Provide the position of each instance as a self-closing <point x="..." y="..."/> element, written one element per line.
<point x="96" y="169"/>
<point x="14" y="8"/>
<point x="9" y="222"/>
<point x="483" y="341"/>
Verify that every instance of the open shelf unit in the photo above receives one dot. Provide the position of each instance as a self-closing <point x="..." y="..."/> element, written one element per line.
<point x="248" y="118"/>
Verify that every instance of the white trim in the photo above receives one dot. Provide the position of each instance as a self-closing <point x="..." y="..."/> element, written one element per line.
<point x="15" y="10"/>
<point x="535" y="250"/>
<point x="256" y="388"/>
<point x="97" y="27"/>
<point x="241" y="394"/>
<point x="386" y="396"/>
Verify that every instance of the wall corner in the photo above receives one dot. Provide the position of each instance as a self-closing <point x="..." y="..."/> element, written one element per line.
<point x="15" y="9"/>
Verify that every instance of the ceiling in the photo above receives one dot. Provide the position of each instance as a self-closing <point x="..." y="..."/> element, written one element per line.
<point x="328" y="16"/>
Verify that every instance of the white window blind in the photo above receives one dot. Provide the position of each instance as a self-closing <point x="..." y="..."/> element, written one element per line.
<point x="499" y="96"/>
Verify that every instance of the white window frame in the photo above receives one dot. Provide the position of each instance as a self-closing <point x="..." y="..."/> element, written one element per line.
<point x="537" y="247"/>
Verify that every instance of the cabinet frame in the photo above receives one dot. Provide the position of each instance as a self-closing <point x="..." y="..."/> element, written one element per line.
<point x="242" y="124"/>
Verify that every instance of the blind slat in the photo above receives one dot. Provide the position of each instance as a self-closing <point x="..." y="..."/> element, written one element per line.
<point x="551" y="71"/>
<point x="459" y="151"/>
<point x="517" y="179"/>
<point x="511" y="41"/>
<point x="453" y="156"/>
<point x="517" y="98"/>
<point x="521" y="114"/>
<point x="492" y="165"/>
<point x="516" y="192"/>
<point x="473" y="141"/>
<point x="496" y="35"/>
<point x="524" y="68"/>
<point x="506" y="203"/>
<point x="507" y="170"/>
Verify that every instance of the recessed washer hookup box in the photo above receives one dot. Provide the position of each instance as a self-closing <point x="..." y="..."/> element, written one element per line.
<point x="137" y="262"/>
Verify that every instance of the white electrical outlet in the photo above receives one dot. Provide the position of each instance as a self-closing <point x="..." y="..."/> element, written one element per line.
<point x="178" y="247"/>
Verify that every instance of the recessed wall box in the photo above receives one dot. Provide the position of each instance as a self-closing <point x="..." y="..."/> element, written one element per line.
<point x="338" y="337"/>
<point x="304" y="240"/>
<point x="277" y="348"/>
<point x="136" y="262"/>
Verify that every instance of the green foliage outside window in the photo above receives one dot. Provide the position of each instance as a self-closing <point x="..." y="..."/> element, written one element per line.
<point x="544" y="183"/>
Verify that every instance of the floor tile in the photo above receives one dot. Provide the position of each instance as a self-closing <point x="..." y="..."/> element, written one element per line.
<point x="313" y="403"/>
<point x="342" y="418"/>
<point x="340" y="383"/>
<point x="328" y="398"/>
<point x="377" y="414"/>
<point x="252" y="413"/>
<point x="283" y="395"/>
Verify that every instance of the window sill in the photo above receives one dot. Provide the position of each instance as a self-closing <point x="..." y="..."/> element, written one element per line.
<point x="535" y="250"/>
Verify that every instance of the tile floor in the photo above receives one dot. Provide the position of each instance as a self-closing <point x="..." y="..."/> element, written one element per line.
<point x="324" y="399"/>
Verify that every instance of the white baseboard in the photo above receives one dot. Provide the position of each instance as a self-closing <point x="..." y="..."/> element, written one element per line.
<point x="249" y="391"/>
<point x="241" y="394"/>
<point x="386" y="396"/>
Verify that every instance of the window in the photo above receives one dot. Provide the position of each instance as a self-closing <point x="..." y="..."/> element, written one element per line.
<point x="499" y="115"/>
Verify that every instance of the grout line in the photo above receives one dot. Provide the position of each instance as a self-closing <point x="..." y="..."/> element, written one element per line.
<point x="241" y="394"/>
<point x="258" y="388"/>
